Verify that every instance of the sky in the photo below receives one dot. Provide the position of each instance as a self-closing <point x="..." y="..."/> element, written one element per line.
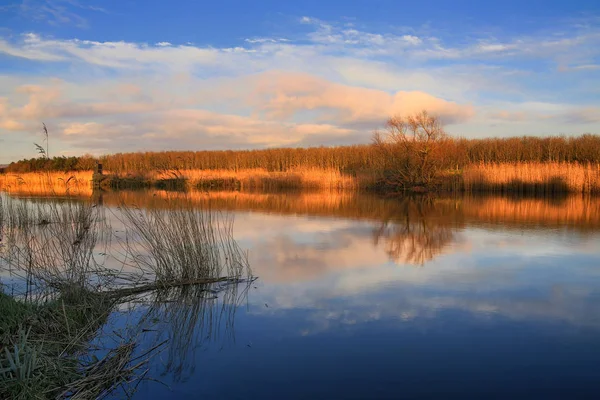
<point x="116" y="76"/>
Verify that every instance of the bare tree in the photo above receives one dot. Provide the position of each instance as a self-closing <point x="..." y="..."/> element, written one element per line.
<point x="412" y="147"/>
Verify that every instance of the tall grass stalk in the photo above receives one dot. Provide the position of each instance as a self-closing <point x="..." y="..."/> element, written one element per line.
<point x="183" y="244"/>
<point x="51" y="244"/>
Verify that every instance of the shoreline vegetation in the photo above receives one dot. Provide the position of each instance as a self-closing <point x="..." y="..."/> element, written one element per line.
<point x="413" y="154"/>
<point x="525" y="178"/>
<point x="57" y="294"/>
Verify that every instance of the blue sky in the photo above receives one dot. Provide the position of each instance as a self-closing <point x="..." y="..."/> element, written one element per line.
<point x="110" y="76"/>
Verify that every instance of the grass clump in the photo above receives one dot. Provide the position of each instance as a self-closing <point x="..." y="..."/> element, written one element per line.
<point x="45" y="335"/>
<point x="43" y="345"/>
<point x="182" y="244"/>
<point x="48" y="346"/>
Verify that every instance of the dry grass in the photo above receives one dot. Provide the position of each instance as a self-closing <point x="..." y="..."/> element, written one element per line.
<point x="48" y="183"/>
<point x="538" y="178"/>
<point x="310" y="178"/>
<point x="545" y="178"/>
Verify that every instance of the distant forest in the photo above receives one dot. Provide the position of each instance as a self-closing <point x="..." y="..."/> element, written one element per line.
<point x="348" y="159"/>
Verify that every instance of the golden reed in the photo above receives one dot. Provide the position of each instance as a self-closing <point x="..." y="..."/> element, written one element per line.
<point x="48" y="183"/>
<point x="259" y="178"/>
<point x="533" y="177"/>
<point x="530" y="177"/>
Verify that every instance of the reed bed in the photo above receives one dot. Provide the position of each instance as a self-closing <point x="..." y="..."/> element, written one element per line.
<point x="530" y="177"/>
<point x="247" y="179"/>
<point x="48" y="183"/>
<point x="524" y="178"/>
<point x="259" y="178"/>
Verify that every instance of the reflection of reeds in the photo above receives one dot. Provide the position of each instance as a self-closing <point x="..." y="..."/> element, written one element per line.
<point x="410" y="230"/>
<point x="538" y="178"/>
<point x="577" y="212"/>
<point x="344" y="203"/>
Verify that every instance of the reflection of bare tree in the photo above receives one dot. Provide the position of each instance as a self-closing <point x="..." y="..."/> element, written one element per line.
<point x="421" y="230"/>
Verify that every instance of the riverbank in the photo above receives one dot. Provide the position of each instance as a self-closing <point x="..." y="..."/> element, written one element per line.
<point x="519" y="178"/>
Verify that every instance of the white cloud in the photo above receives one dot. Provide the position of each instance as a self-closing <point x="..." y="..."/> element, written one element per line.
<point x="192" y="128"/>
<point x="308" y="20"/>
<point x="338" y="80"/>
<point x="265" y="40"/>
<point x="54" y="12"/>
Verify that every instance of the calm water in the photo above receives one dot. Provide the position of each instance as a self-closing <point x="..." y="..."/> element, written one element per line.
<point x="362" y="297"/>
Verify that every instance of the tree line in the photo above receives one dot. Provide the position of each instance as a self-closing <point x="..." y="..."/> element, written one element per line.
<point x="456" y="153"/>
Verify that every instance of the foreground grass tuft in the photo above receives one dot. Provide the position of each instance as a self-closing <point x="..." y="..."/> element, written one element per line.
<point x="46" y="334"/>
<point x="42" y="344"/>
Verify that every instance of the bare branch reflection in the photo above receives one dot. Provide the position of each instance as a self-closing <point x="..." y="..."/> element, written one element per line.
<point x="418" y="230"/>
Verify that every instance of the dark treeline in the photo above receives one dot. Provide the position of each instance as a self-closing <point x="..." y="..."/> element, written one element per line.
<point x="83" y="163"/>
<point x="458" y="152"/>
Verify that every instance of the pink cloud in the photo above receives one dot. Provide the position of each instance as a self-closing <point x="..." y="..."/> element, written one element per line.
<point x="191" y="127"/>
<point x="290" y="109"/>
<point x="282" y="95"/>
<point x="49" y="101"/>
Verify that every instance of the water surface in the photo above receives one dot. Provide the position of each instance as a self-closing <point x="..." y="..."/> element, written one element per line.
<point x="365" y="297"/>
